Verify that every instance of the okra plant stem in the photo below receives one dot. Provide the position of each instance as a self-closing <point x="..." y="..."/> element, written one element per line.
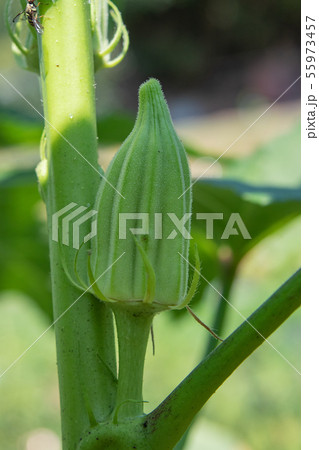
<point x="172" y="417"/>
<point x="163" y="427"/>
<point x="133" y="329"/>
<point x="84" y="332"/>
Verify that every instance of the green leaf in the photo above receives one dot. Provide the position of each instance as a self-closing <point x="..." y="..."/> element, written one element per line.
<point x="114" y="128"/>
<point x="23" y="239"/>
<point x="263" y="209"/>
<point x="17" y="129"/>
<point x="276" y="163"/>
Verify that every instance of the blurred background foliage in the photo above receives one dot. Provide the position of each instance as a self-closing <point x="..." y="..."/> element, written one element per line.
<point x="221" y="64"/>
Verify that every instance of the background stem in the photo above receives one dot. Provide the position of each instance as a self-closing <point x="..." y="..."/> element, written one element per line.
<point x="219" y="319"/>
<point x="217" y="325"/>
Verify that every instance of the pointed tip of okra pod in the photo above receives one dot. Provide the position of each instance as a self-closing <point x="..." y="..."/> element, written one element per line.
<point x="151" y="98"/>
<point x="151" y="84"/>
<point x="150" y="89"/>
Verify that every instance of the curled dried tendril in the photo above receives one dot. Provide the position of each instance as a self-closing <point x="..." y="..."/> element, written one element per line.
<point x="25" y="42"/>
<point x="102" y="46"/>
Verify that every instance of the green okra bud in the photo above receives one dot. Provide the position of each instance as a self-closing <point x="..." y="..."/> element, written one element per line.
<point x="136" y="219"/>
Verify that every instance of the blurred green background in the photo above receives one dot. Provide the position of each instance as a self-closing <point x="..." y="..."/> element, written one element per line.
<point x="221" y="64"/>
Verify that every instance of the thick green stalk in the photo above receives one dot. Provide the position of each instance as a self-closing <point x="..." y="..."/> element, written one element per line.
<point x="133" y="329"/>
<point x="84" y="334"/>
<point x="163" y="427"/>
<point x="173" y="416"/>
